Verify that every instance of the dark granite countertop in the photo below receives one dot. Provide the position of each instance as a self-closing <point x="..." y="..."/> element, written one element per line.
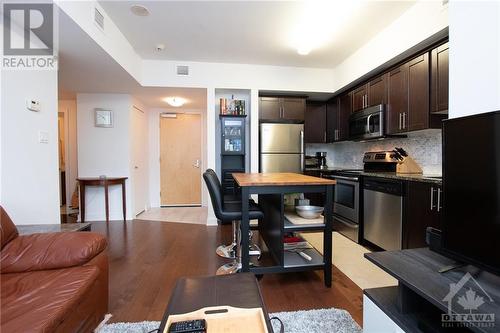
<point x="426" y="178"/>
<point x="433" y="179"/>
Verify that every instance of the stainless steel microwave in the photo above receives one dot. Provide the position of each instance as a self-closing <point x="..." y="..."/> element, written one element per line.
<point x="368" y="123"/>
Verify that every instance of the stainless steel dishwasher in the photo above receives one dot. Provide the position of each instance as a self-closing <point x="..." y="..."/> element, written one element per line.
<point x="383" y="212"/>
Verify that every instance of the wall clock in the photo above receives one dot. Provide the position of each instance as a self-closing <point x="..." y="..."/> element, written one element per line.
<point x="103" y="118"/>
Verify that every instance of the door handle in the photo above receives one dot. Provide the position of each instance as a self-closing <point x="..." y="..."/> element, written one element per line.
<point x="302" y="151"/>
<point x="368" y="124"/>
<point x="404" y="120"/>
<point x="400" y="118"/>
<point x="197" y="164"/>
<point x="439" y="200"/>
<point x="432" y="198"/>
<point x="324" y="137"/>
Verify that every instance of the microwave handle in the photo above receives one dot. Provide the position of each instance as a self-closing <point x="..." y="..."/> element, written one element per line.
<point x="368" y="124"/>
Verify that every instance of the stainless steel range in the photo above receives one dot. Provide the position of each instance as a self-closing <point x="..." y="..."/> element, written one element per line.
<point x="346" y="206"/>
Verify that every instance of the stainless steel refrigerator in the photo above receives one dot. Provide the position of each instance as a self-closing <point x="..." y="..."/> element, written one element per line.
<point x="281" y="147"/>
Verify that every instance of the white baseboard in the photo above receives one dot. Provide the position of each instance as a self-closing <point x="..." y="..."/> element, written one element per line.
<point x="212" y="221"/>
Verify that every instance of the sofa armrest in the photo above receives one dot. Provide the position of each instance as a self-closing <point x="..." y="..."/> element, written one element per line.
<point x="50" y="251"/>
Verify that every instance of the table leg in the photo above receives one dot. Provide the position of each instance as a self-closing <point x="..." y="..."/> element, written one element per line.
<point x="106" y="200"/>
<point x="82" y="202"/>
<point x="124" y="202"/>
<point x="327" y="236"/>
<point x="245" y="229"/>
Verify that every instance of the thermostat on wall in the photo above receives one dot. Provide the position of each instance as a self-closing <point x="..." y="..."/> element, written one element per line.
<point x="33" y="105"/>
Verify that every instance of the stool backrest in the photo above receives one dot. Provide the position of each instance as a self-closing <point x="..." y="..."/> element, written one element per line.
<point x="214" y="189"/>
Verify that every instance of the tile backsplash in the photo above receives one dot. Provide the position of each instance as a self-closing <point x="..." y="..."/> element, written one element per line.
<point x="423" y="146"/>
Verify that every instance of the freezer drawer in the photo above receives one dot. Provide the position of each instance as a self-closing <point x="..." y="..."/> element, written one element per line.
<point x="281" y="138"/>
<point x="281" y="163"/>
<point x="382" y="222"/>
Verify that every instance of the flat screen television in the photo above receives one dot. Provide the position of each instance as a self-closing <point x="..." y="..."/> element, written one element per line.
<point x="471" y="186"/>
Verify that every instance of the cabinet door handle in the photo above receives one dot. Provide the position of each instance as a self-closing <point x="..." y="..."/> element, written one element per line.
<point x="404" y="120"/>
<point x="337" y="134"/>
<point x="324" y="137"/>
<point x="400" y="120"/>
<point x="432" y="198"/>
<point x="439" y="200"/>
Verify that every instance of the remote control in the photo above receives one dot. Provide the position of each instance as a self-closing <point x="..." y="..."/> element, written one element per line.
<point x="188" y="326"/>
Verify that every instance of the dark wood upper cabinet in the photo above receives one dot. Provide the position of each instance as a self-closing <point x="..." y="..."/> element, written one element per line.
<point x="345" y="110"/>
<point x="269" y="108"/>
<point x="293" y="108"/>
<point x="417" y="117"/>
<point x="377" y="90"/>
<point x="422" y="211"/>
<point x="332" y="120"/>
<point x="397" y="99"/>
<point x="282" y="108"/>
<point x="315" y="123"/>
<point x="439" y="79"/>
<point x="359" y="97"/>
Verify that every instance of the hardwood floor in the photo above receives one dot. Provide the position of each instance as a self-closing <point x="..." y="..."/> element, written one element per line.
<point x="147" y="257"/>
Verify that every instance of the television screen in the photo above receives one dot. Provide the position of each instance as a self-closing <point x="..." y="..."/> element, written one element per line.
<point x="471" y="186"/>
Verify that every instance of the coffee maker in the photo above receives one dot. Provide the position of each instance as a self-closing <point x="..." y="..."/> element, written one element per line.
<point x="321" y="157"/>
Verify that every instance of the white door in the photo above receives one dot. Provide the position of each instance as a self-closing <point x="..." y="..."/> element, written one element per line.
<point x="139" y="161"/>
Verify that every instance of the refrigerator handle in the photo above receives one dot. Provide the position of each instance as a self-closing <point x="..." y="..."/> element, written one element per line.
<point x="302" y="151"/>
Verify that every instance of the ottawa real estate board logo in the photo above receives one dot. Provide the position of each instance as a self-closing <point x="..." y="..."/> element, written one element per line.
<point x="29" y="41"/>
<point x="468" y="305"/>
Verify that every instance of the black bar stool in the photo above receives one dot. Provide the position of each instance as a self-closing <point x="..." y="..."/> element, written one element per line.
<point x="228" y="212"/>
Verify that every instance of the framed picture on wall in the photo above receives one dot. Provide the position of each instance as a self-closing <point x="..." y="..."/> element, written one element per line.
<point x="103" y="118"/>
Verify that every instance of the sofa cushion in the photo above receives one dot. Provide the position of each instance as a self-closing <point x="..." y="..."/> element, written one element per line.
<point x="50" y="251"/>
<point x="41" y="300"/>
<point x="8" y="230"/>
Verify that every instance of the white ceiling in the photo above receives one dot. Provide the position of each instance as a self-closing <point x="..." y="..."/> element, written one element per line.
<point x="84" y="67"/>
<point x="250" y="32"/>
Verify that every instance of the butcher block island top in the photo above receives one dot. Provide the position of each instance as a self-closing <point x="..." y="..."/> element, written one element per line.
<point x="279" y="179"/>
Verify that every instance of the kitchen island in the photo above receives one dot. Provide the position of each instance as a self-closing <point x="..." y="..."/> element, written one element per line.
<point x="271" y="188"/>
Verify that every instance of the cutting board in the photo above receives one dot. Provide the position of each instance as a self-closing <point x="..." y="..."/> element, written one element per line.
<point x="296" y="219"/>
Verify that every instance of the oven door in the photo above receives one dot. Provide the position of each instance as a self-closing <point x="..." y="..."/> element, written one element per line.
<point x="346" y="198"/>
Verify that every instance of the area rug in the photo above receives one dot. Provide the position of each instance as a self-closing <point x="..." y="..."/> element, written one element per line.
<point x="311" y="321"/>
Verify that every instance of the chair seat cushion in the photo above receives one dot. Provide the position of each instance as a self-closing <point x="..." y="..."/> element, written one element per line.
<point x="232" y="211"/>
<point x="41" y="300"/>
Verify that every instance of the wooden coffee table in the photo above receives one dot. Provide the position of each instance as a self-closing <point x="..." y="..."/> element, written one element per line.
<point x="193" y="293"/>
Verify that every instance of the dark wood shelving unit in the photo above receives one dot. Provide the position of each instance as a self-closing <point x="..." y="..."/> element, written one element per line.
<point x="418" y="303"/>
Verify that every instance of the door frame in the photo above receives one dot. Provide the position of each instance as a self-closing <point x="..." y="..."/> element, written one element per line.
<point x="203" y="150"/>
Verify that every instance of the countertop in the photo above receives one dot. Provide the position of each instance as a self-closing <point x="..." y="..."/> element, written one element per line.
<point x="426" y="178"/>
<point x="278" y="179"/>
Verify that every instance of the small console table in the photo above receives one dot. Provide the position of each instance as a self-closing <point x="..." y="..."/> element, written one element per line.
<point x="425" y="298"/>
<point x="105" y="182"/>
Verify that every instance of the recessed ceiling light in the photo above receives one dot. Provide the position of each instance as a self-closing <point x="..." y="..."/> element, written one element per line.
<point x="175" y="101"/>
<point x="160" y="47"/>
<point x="304" y="50"/>
<point x="139" y="10"/>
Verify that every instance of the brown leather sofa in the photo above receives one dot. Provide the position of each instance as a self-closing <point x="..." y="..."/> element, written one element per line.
<point x="52" y="282"/>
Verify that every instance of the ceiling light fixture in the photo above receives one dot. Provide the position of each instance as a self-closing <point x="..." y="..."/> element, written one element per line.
<point x="318" y="22"/>
<point x="139" y="10"/>
<point x="175" y="101"/>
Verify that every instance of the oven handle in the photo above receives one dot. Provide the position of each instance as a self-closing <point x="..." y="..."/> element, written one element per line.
<point x="346" y="223"/>
<point x="354" y="179"/>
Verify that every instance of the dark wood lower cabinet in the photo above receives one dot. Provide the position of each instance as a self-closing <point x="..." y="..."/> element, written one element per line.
<point x="423" y="203"/>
